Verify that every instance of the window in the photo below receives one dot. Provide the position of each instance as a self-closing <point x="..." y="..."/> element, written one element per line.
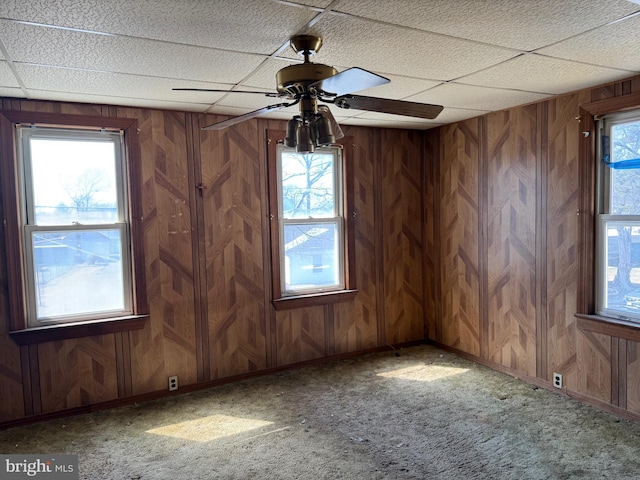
<point x="618" y="224"/>
<point x="73" y="225"/>
<point x="310" y="230"/>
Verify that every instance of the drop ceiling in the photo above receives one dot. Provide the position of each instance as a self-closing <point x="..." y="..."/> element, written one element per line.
<point x="472" y="56"/>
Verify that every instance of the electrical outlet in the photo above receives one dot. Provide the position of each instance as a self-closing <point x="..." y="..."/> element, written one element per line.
<point x="557" y="380"/>
<point x="173" y="383"/>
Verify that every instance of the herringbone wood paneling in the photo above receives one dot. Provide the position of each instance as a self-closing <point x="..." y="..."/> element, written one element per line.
<point x="633" y="377"/>
<point x="402" y="235"/>
<point x="355" y="323"/>
<point x="77" y="372"/>
<point x="166" y="346"/>
<point x="300" y="335"/>
<point x="593" y="357"/>
<point x="232" y="175"/>
<point x="459" y="233"/>
<point x="511" y="247"/>
<point x="562" y="236"/>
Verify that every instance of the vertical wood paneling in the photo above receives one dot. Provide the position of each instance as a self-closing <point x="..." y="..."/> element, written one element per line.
<point x="166" y="346"/>
<point x="233" y="196"/>
<point x="593" y="355"/>
<point x="402" y="235"/>
<point x="77" y="372"/>
<point x="459" y="277"/>
<point x="633" y="377"/>
<point x="431" y="234"/>
<point x="300" y="335"/>
<point x="355" y="323"/>
<point x="511" y="248"/>
<point x="11" y="378"/>
<point x="562" y="236"/>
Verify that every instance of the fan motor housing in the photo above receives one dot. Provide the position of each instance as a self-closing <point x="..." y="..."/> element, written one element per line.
<point x="295" y="79"/>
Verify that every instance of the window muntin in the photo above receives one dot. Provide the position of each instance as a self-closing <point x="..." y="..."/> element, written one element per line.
<point x="75" y="230"/>
<point x="618" y="229"/>
<point x="310" y="219"/>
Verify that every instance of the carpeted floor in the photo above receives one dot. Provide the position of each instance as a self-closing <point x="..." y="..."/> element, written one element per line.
<point x="419" y="414"/>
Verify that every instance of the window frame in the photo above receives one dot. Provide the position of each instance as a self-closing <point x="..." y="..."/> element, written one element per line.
<point x="14" y="220"/>
<point x="605" y="217"/>
<point x="283" y="300"/>
<point x="587" y="319"/>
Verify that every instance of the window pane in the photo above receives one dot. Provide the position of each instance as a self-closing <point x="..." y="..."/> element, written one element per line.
<point x="77" y="272"/>
<point x="311" y="256"/>
<point x="74" y="181"/>
<point x="625" y="184"/>
<point x="625" y="192"/>
<point x="308" y="185"/>
<point x="623" y="267"/>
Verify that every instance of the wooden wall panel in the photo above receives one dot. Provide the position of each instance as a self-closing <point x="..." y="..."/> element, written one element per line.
<point x="166" y="346"/>
<point x="232" y="175"/>
<point x="562" y="235"/>
<point x="459" y="234"/>
<point x="77" y="372"/>
<point x="511" y="243"/>
<point x="356" y="322"/>
<point x="300" y="335"/>
<point x="402" y="235"/>
<point x="431" y="234"/>
<point x="593" y="356"/>
<point x="11" y="392"/>
<point x="633" y="377"/>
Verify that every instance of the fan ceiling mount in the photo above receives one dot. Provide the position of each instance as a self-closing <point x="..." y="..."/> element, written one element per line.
<point x="306" y="83"/>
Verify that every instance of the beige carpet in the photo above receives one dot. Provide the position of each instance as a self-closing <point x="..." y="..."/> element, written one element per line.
<point x="418" y="414"/>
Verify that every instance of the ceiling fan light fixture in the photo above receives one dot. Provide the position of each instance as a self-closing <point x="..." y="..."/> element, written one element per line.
<point x="292" y="131"/>
<point x="304" y="141"/>
<point x="323" y="131"/>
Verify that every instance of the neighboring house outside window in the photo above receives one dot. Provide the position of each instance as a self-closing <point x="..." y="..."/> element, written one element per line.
<point x="310" y="229"/>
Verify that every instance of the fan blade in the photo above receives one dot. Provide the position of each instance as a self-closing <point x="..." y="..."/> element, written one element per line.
<point x="350" y="80"/>
<point x="268" y="94"/>
<point x="385" y="105"/>
<point x="246" y="116"/>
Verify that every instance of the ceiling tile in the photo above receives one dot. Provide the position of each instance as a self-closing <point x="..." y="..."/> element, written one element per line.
<point x="264" y="76"/>
<point x="7" y="78"/>
<point x="535" y="73"/>
<point x="110" y="84"/>
<point x="476" y="98"/>
<point x="615" y="45"/>
<point x="387" y="49"/>
<point x="448" y="115"/>
<point x="60" y="47"/>
<point x="132" y="102"/>
<point x="11" y="92"/>
<point x="524" y="25"/>
<point x="248" y="26"/>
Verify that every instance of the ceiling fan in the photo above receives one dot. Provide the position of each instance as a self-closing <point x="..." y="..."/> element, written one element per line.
<point x="306" y="84"/>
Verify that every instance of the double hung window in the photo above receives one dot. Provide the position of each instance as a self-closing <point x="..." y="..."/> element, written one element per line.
<point x="72" y="216"/>
<point x="75" y="236"/>
<point x="312" y="236"/>
<point x="311" y="221"/>
<point x="618" y="219"/>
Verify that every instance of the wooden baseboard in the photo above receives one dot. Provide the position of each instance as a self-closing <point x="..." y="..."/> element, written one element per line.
<point x="146" y="397"/>
<point x="539" y="382"/>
